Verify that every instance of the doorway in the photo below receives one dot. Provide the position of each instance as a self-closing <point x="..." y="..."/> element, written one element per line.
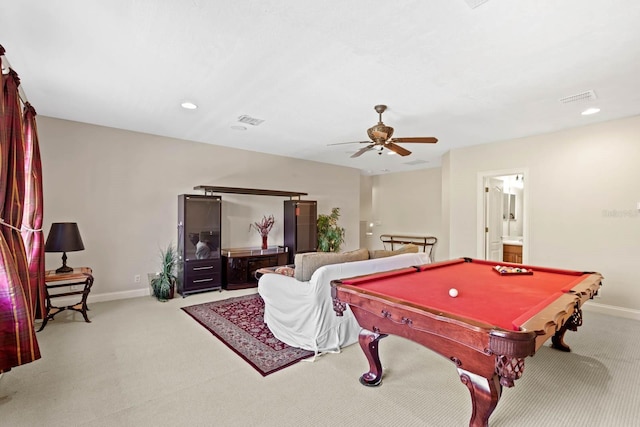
<point x="502" y="214"/>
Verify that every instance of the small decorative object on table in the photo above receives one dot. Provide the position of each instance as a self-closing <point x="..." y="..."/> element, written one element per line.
<point x="264" y="227"/>
<point x="505" y="270"/>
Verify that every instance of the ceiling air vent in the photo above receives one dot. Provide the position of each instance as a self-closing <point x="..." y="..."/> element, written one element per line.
<point x="416" y="162"/>
<point x="589" y="95"/>
<point x="475" y="3"/>
<point x="250" y="120"/>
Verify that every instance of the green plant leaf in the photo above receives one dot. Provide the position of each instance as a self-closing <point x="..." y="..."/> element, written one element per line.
<point x="162" y="283"/>
<point x="330" y="235"/>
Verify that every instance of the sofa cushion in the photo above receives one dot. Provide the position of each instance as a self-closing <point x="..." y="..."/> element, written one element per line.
<point x="406" y="249"/>
<point x="308" y="262"/>
<point x="285" y="271"/>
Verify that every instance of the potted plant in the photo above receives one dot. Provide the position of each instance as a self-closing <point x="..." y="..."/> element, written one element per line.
<point x="163" y="284"/>
<point x="330" y="235"/>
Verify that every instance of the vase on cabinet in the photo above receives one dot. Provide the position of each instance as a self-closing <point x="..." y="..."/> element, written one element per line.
<point x="264" y="242"/>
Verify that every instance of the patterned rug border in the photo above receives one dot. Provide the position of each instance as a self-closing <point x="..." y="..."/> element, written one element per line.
<point x="268" y="360"/>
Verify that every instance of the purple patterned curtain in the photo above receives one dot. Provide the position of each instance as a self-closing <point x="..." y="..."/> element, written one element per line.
<point x="32" y="235"/>
<point x="18" y="344"/>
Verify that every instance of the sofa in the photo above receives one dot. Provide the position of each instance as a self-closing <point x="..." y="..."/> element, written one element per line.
<point x="298" y="305"/>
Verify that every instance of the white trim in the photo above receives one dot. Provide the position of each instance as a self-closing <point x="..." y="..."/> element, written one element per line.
<point x="612" y="310"/>
<point x="526" y="210"/>
<point x="590" y="305"/>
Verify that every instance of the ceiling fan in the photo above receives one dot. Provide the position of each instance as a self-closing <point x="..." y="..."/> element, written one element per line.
<point x="381" y="135"/>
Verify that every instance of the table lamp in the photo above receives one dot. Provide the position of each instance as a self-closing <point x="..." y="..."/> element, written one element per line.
<point x="64" y="237"/>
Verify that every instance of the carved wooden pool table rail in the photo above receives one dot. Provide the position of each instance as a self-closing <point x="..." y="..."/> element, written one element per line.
<point x="486" y="357"/>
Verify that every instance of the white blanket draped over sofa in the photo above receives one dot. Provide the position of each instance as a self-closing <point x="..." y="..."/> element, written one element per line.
<point x="301" y="314"/>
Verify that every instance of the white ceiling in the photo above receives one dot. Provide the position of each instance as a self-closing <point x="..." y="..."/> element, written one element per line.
<point x="313" y="70"/>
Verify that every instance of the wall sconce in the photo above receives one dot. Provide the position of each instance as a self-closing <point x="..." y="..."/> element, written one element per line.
<point x="64" y="237"/>
<point x="369" y="231"/>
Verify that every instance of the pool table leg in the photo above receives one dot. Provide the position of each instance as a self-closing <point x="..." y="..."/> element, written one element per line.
<point x="485" y="393"/>
<point x="369" y="344"/>
<point x="572" y="323"/>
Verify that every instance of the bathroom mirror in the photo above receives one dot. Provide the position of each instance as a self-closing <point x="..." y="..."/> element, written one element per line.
<point x="509" y="206"/>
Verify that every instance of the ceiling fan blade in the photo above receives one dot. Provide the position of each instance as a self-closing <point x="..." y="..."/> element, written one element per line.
<point x="420" y="139"/>
<point x="397" y="149"/>
<point x="351" y="142"/>
<point x="362" y="151"/>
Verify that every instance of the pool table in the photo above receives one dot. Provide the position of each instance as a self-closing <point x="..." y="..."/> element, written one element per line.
<point x="497" y="319"/>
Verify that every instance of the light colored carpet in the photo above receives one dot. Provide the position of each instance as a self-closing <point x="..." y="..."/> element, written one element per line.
<point x="145" y="363"/>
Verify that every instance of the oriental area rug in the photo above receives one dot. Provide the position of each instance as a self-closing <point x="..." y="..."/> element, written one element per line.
<point x="239" y="323"/>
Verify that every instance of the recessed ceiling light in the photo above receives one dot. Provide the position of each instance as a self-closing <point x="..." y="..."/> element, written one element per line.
<point x="590" y="111"/>
<point x="236" y="127"/>
<point x="189" y="105"/>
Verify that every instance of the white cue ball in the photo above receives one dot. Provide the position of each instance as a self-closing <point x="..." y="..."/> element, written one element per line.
<point x="453" y="292"/>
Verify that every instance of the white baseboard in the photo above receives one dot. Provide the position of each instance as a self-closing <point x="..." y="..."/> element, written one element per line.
<point x="612" y="310"/>
<point x="112" y="296"/>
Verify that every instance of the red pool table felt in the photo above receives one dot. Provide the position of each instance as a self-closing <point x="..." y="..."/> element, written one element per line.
<point x="484" y="295"/>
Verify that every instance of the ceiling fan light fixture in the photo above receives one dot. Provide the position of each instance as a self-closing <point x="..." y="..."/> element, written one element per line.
<point x="381" y="138"/>
<point x="380" y="132"/>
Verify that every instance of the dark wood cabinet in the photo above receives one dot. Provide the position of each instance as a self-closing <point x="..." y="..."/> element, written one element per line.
<point x="199" y="259"/>
<point x="300" y="226"/>
<point x="512" y="253"/>
<point x="240" y="264"/>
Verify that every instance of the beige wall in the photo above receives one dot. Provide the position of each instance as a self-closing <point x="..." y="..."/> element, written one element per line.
<point x="366" y="190"/>
<point x="582" y="191"/>
<point x="407" y="203"/>
<point x="121" y="188"/>
<point x="583" y="187"/>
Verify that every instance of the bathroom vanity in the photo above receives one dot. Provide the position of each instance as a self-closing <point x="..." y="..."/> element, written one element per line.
<point x="512" y="252"/>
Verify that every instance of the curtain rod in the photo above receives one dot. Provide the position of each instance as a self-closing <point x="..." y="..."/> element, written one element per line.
<point x="6" y="66"/>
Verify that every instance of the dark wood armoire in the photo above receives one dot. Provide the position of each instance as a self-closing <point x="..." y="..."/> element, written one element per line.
<point x="199" y="262"/>
<point x="300" y="226"/>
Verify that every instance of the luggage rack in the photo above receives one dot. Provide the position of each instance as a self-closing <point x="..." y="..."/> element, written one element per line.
<point x="425" y="242"/>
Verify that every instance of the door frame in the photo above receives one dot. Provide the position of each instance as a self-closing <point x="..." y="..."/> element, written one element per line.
<point x="493" y="206"/>
<point x="480" y="209"/>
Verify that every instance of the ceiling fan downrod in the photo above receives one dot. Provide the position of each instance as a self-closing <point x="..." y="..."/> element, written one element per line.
<point x="380" y="109"/>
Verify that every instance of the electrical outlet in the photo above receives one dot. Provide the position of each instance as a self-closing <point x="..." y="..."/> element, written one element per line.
<point x="136" y="278"/>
